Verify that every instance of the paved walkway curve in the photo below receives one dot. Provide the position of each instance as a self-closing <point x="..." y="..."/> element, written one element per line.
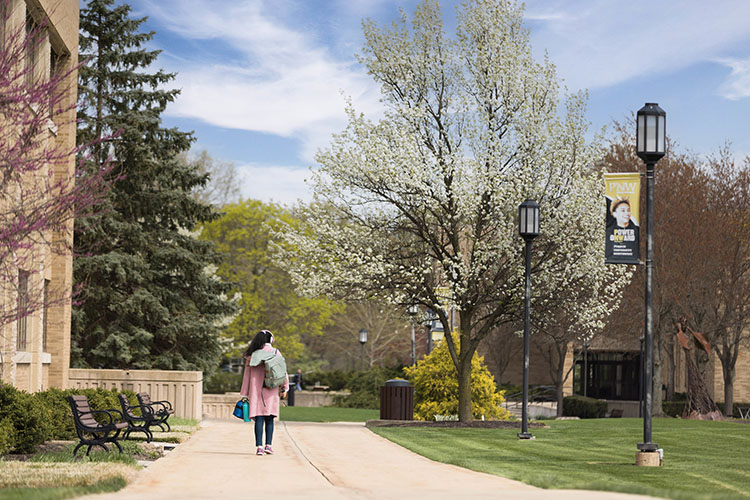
<point x="326" y="461"/>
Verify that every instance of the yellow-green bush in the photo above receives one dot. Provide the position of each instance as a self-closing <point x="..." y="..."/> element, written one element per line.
<point x="435" y="382"/>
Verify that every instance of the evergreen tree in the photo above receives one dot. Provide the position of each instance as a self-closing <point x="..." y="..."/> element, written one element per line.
<point x="151" y="299"/>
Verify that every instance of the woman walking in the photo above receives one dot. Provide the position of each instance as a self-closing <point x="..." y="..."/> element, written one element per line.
<point x="263" y="402"/>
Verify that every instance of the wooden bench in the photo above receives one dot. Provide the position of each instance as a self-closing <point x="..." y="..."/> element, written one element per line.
<point x="136" y="423"/>
<point x="161" y="410"/>
<point x="615" y="413"/>
<point x="90" y="431"/>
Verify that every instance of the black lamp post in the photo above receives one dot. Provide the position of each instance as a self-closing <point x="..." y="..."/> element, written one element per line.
<point x="363" y="341"/>
<point x="585" y="377"/>
<point x="650" y="146"/>
<point x="413" y="310"/>
<point x="432" y="317"/>
<point x="528" y="228"/>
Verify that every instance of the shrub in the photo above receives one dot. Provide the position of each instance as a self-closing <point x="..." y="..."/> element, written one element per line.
<point x="221" y="382"/>
<point x="57" y="412"/>
<point x="29" y="419"/>
<point x="7" y="436"/>
<point x="102" y="399"/>
<point x="435" y="382"/>
<point x="334" y="379"/>
<point x="673" y="408"/>
<point x="582" y="407"/>
<point x="365" y="388"/>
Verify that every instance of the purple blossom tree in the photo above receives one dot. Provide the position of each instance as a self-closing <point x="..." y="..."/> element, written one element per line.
<point x="42" y="189"/>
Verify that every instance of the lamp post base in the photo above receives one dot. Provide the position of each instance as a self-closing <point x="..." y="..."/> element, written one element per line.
<point x="648" y="447"/>
<point x="525" y="435"/>
<point x="648" y="459"/>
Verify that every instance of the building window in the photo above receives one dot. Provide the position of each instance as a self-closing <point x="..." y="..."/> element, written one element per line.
<point x="34" y="38"/>
<point x="607" y="375"/>
<point x="45" y="312"/>
<point x="23" y="305"/>
<point x="3" y="22"/>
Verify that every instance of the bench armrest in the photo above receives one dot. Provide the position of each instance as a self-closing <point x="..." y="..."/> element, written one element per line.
<point x="112" y="410"/>
<point x="104" y="412"/>
<point x="161" y="405"/>
<point x="145" y="409"/>
<point x="164" y="403"/>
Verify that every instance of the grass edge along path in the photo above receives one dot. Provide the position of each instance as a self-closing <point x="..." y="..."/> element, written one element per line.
<point x="702" y="459"/>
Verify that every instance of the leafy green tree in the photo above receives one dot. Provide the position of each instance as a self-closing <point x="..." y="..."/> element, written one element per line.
<point x="244" y="235"/>
<point x="151" y="299"/>
<point x="436" y="387"/>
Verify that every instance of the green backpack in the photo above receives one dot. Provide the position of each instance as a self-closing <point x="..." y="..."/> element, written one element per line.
<point x="275" y="370"/>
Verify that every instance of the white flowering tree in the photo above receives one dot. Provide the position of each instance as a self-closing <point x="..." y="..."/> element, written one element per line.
<point x="421" y="206"/>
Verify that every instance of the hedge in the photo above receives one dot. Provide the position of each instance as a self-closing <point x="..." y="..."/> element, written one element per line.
<point x="582" y="407"/>
<point x="222" y="382"/>
<point x="27" y="420"/>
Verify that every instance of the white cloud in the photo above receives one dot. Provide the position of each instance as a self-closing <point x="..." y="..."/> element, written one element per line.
<point x="284" y="81"/>
<point x="737" y="84"/>
<point x="603" y="43"/>
<point x="280" y="184"/>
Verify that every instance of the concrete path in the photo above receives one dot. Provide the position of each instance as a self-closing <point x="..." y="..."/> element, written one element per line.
<point x="330" y="461"/>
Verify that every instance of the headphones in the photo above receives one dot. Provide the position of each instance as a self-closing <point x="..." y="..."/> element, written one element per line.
<point x="269" y="335"/>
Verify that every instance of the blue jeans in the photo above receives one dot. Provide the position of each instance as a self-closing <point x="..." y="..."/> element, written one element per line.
<point x="259" y="421"/>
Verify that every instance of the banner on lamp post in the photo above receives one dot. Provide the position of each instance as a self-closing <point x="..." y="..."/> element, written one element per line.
<point x="622" y="195"/>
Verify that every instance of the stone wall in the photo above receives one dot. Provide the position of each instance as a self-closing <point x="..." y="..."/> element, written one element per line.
<point x="222" y="405"/>
<point x="181" y="388"/>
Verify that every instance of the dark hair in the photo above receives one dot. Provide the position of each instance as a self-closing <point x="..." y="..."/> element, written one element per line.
<point x="617" y="203"/>
<point x="261" y="338"/>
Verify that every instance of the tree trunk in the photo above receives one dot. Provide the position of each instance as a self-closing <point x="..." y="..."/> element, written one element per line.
<point x="699" y="404"/>
<point x="728" y="388"/>
<point x="464" y="387"/>
<point x="560" y="378"/>
<point x="670" y="368"/>
<point x="657" y="409"/>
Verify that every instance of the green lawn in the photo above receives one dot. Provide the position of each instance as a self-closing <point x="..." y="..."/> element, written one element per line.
<point x="702" y="460"/>
<point x="326" y="414"/>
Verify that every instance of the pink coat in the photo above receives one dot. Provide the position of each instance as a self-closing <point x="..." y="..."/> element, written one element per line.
<point x="261" y="400"/>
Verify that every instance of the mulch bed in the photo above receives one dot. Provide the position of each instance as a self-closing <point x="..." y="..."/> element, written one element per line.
<point x="453" y="424"/>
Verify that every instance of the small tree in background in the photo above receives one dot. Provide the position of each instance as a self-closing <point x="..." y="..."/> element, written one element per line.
<point x="436" y="387"/>
<point x="243" y="235"/>
<point x="222" y="187"/>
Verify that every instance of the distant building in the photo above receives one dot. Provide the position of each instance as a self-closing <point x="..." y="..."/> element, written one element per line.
<point x="35" y="350"/>
<point x="610" y="369"/>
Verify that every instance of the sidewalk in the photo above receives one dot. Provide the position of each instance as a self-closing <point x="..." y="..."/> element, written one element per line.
<point x="331" y="461"/>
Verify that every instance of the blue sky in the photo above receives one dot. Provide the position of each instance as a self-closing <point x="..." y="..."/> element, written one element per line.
<point x="262" y="80"/>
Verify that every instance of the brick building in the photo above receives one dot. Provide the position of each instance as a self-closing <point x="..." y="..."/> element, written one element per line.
<point x="35" y="350"/>
<point x="613" y="367"/>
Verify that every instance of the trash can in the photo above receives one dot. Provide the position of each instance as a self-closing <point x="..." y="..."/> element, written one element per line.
<point x="290" y="396"/>
<point x="397" y="400"/>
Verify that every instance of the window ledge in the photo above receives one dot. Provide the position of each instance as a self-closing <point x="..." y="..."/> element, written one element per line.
<point x="24" y="358"/>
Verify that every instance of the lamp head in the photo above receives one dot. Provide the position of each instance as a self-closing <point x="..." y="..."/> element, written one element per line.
<point x="528" y="219"/>
<point x="651" y="132"/>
